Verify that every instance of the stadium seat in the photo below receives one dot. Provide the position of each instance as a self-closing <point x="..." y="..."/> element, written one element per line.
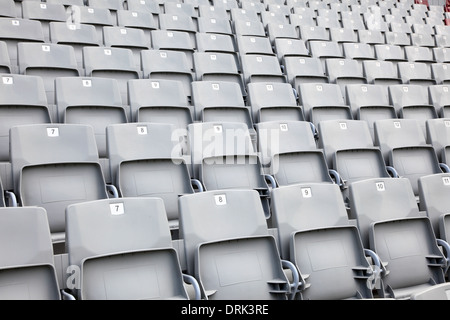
<point x="344" y="72"/>
<point x="92" y="101"/>
<point x="17" y="108"/>
<point x="281" y="31"/>
<point x="116" y="63"/>
<point x="358" y="51"/>
<point x="174" y="41"/>
<point x="223" y="257"/>
<point x="8" y="9"/>
<point x="98" y="17"/>
<point x="27" y="264"/>
<point x="148" y="6"/>
<point x="177" y="23"/>
<point x="415" y="73"/>
<point x="323" y="101"/>
<point x="180" y="9"/>
<point x="403" y="145"/>
<point x="168" y="65"/>
<point x="440" y="73"/>
<point x="285" y="48"/>
<point x="144" y="21"/>
<point x="273" y="101"/>
<point x="439" y="97"/>
<point x="209" y="11"/>
<point x="399" y="38"/>
<point x="254" y="45"/>
<point x="146" y="161"/>
<point x="215" y="25"/>
<point x="261" y="68"/>
<point x="307" y="227"/>
<point x="371" y="37"/>
<point x="68" y="172"/>
<point x="389" y="52"/>
<point x="387" y="207"/>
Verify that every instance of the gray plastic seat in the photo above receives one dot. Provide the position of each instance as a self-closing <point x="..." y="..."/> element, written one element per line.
<point x="419" y="54"/>
<point x="281" y="31"/>
<point x="313" y="33"/>
<point x="358" y="51"/>
<point x="5" y="62"/>
<point x="403" y="145"/>
<point x="438" y="135"/>
<point x="214" y="25"/>
<point x="415" y="73"/>
<point x="242" y="14"/>
<point x="344" y="72"/>
<point x="185" y="8"/>
<point x="92" y="101"/>
<point x="48" y="61"/>
<point x="440" y="73"/>
<point x="247" y="44"/>
<point x="440" y="98"/>
<point x="209" y="11"/>
<point x="370" y="102"/>
<point x="273" y="101"/>
<point x="286" y="47"/>
<point x="98" y="17"/>
<point x="17" y="108"/>
<point x="115" y="63"/>
<point x="75" y="35"/>
<point x="212" y="66"/>
<point x="389" y="52"/>
<point x="27" y="264"/>
<point x="411" y="101"/>
<point x="371" y="37"/>
<point x="220" y="101"/>
<point x="145" y="161"/>
<point x="226" y="241"/>
<point x="8" y="9"/>
<point x="261" y="68"/>
<point x="248" y="28"/>
<point x="381" y="72"/>
<point x="399" y="38"/>
<point x="144" y="21"/>
<point x="313" y="232"/>
<point x="325" y="50"/>
<point x="178" y="23"/>
<point x="433" y="194"/>
<point x="128" y="38"/>
<point x="160" y="101"/>
<point x="423" y="40"/>
<point x="67" y="172"/>
<point x="168" y="65"/>
<point x="304" y="70"/>
<point x="391" y="225"/>
<point x="134" y="259"/>
<point x="44" y="13"/>
<point x="149" y="6"/>
<point x="323" y="101"/>
<point x="305" y="18"/>
<point x="216" y="42"/>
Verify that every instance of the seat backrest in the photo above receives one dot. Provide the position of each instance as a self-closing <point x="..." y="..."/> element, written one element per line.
<point x="381" y="72"/>
<point x="360" y="96"/>
<point x="261" y="68"/>
<point x="302" y="207"/>
<point x="415" y="72"/>
<point x="18" y="108"/>
<point x="304" y="70"/>
<point x="378" y="199"/>
<point x="27" y="262"/>
<point x="438" y="135"/>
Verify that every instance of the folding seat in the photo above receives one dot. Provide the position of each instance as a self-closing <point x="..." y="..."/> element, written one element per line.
<point x="227" y="4"/>
<point x="136" y="247"/>
<point x="358" y="51"/>
<point x="313" y="33"/>
<point x="257" y="6"/>
<point x="401" y="39"/>
<point x="216" y="42"/>
<point x="344" y="72"/>
<point x="371" y="37"/>
<point x="248" y="28"/>
<point x="27" y="263"/>
<point x="273" y="101"/>
<point x="278" y="8"/>
<point x="13" y="31"/>
<point x="281" y="31"/>
<point x="115" y="63"/>
<point x="214" y="139"/>
<point x="412" y="102"/>
<point x="230" y="262"/>
<point x="375" y="21"/>
<point x="77" y="36"/>
<point x="220" y="101"/>
<point x="44" y="13"/>
<point x="343" y="35"/>
<point x="441" y="55"/>
<point x="284" y="48"/>
<point x="254" y="45"/>
<point x="304" y="70"/>
<point x="148" y="6"/>
<point x="48" y="61"/>
<point x="261" y="68"/>
<point x="177" y="9"/>
<point x="387" y="52"/>
<point x="440" y="99"/>
<point x="5" y="62"/>
<point x="274" y="17"/>
<point x="305" y="18"/>
<point x="415" y="73"/>
<point x="178" y="23"/>
<point x="17" y="108"/>
<point x="328" y="22"/>
<point x="423" y="40"/>
<point x="325" y="50"/>
<point x="403" y="145"/>
<point x="440" y="73"/>
<point x="437" y="135"/>
<point x="174" y="41"/>
<point x="127" y="38"/>
<point x="209" y="11"/>
<point x="352" y="21"/>
<point x="169" y="65"/>
<point x="349" y="149"/>
<point x="323" y="101"/>
<point x="419" y="54"/>
<point x="442" y="35"/>
<point x="239" y="14"/>
<point x="159" y="101"/>
<point x="145" y="21"/>
<point x="317" y="4"/>
<point x="211" y="66"/>
<point x="214" y="25"/>
<point x="96" y="16"/>
<point x="112" y="6"/>
<point x="328" y="13"/>
<point x="143" y="151"/>
<point x="92" y="101"/>
<point x="313" y="215"/>
<point x="370" y="102"/>
<point x="68" y="172"/>
<point x="381" y="72"/>
<point x="411" y="260"/>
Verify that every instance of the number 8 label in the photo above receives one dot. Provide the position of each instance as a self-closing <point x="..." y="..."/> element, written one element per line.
<point x="220" y="199"/>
